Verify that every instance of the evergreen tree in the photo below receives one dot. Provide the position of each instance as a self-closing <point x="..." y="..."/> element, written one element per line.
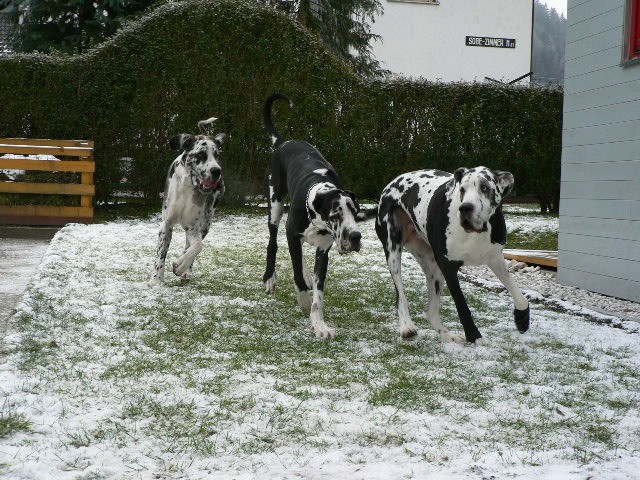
<point x="70" y="26"/>
<point x="549" y="36"/>
<point x="343" y="25"/>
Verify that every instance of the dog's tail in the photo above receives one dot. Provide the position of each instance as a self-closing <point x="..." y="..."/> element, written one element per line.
<point x="203" y="124"/>
<point x="276" y="138"/>
<point x="367" y="214"/>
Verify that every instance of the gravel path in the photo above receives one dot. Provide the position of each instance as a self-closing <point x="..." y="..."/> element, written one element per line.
<point x="540" y="285"/>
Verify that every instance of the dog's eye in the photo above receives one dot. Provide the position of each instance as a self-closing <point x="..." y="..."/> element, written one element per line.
<point x="484" y="188"/>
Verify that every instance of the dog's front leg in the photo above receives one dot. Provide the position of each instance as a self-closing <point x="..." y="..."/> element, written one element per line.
<point x="317" y="307"/>
<point x="194" y="242"/>
<point x="302" y="288"/>
<point x="164" y="240"/>
<point x="471" y="332"/>
<point x="521" y="304"/>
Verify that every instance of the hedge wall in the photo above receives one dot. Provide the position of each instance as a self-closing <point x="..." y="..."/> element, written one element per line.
<point x="199" y="58"/>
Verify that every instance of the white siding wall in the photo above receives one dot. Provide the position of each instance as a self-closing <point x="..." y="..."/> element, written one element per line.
<point x="599" y="243"/>
<point x="426" y="40"/>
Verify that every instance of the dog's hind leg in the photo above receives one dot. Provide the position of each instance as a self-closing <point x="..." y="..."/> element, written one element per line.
<point x="276" y="208"/>
<point x="423" y="254"/>
<point x="185" y="262"/>
<point x="164" y="240"/>
<point x="321" y="329"/>
<point x="391" y="237"/>
<point x="295" y="250"/>
<point x="521" y="304"/>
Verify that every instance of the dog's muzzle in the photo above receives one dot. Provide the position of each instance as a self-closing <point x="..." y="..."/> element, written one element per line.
<point x="207" y="185"/>
<point x="466" y="220"/>
<point x="351" y="243"/>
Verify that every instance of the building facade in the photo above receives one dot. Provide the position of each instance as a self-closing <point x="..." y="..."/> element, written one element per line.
<point x="599" y="242"/>
<point x="455" y="40"/>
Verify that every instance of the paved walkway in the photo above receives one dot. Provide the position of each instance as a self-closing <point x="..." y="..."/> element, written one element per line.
<point x="21" y="249"/>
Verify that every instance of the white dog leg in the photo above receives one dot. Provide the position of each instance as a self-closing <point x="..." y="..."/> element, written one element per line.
<point x="184" y="263"/>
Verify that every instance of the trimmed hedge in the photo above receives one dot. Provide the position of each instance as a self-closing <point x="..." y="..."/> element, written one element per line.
<point x="199" y="58"/>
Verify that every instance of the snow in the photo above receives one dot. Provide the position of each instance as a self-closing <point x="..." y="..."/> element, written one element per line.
<point x="84" y="310"/>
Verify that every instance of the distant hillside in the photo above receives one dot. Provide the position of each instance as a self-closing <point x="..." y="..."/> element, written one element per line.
<point x="549" y="34"/>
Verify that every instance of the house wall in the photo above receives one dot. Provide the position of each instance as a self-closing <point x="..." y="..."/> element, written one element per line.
<point x="599" y="241"/>
<point x="429" y="40"/>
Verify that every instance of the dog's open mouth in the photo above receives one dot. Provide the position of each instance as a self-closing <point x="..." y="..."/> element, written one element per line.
<point x="470" y="228"/>
<point x="208" y="185"/>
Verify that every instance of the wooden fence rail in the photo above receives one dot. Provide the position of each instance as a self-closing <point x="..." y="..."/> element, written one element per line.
<point x="21" y="154"/>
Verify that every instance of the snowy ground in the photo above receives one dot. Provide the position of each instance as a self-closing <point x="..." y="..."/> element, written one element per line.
<point x="214" y="379"/>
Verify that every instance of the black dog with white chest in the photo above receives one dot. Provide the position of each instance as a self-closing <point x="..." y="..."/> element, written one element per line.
<point x="321" y="213"/>
<point x="193" y="190"/>
<point x="446" y="221"/>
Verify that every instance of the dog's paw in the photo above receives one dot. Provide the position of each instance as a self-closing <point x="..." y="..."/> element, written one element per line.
<point x="270" y="284"/>
<point x="325" y="333"/>
<point x="449" y="337"/>
<point x="304" y="300"/>
<point x="521" y="318"/>
<point x="408" y="329"/>
<point x="154" y="282"/>
<point x="408" y="333"/>
<point x="480" y="342"/>
<point x="181" y="267"/>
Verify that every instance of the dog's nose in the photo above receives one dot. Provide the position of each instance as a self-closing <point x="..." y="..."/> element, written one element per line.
<point x="215" y="172"/>
<point x="354" y="237"/>
<point x="466" y="208"/>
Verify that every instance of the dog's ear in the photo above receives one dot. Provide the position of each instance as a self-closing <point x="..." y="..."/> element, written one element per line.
<point x="220" y="139"/>
<point x="352" y="196"/>
<point x="183" y="141"/>
<point x="458" y="174"/>
<point x="505" y="182"/>
<point x="322" y="202"/>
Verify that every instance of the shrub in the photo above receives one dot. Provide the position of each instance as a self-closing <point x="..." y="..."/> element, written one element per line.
<point x="191" y="60"/>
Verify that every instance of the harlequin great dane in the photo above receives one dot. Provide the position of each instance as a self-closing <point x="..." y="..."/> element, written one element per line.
<point x="321" y="213"/>
<point x="193" y="190"/>
<point x="446" y="221"/>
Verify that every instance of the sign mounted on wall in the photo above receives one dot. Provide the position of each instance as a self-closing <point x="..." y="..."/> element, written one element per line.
<point x="490" y="42"/>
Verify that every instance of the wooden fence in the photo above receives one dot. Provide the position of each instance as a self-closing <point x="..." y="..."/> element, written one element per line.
<point x="70" y="156"/>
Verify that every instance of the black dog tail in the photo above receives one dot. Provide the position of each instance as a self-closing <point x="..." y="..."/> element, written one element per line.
<point x="367" y="214"/>
<point x="276" y="138"/>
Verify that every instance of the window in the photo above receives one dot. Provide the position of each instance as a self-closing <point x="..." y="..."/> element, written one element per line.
<point x="632" y="31"/>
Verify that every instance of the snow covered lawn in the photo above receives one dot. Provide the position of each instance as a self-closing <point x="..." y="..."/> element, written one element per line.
<point x="211" y="378"/>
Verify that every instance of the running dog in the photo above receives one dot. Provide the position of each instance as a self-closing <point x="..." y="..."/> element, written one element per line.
<point x="193" y="190"/>
<point x="321" y="213"/>
<point x="446" y="221"/>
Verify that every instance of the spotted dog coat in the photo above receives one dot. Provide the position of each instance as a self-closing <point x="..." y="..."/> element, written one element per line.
<point x="321" y="213"/>
<point x="193" y="190"/>
<point x="446" y="221"/>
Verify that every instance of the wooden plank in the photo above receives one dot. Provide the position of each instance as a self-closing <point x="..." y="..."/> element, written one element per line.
<point x="44" y="215"/>
<point x="47" y="141"/>
<point x="47" y="188"/>
<point x="546" y="258"/>
<point x="42" y="220"/>
<point x="20" y="163"/>
<point x="87" y="179"/>
<point x="46" y="150"/>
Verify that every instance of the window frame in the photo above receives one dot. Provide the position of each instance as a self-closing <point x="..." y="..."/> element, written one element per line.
<point x="631" y="43"/>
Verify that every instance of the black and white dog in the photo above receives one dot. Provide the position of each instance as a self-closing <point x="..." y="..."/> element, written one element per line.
<point x="193" y="190"/>
<point x="321" y="213"/>
<point x="446" y="221"/>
